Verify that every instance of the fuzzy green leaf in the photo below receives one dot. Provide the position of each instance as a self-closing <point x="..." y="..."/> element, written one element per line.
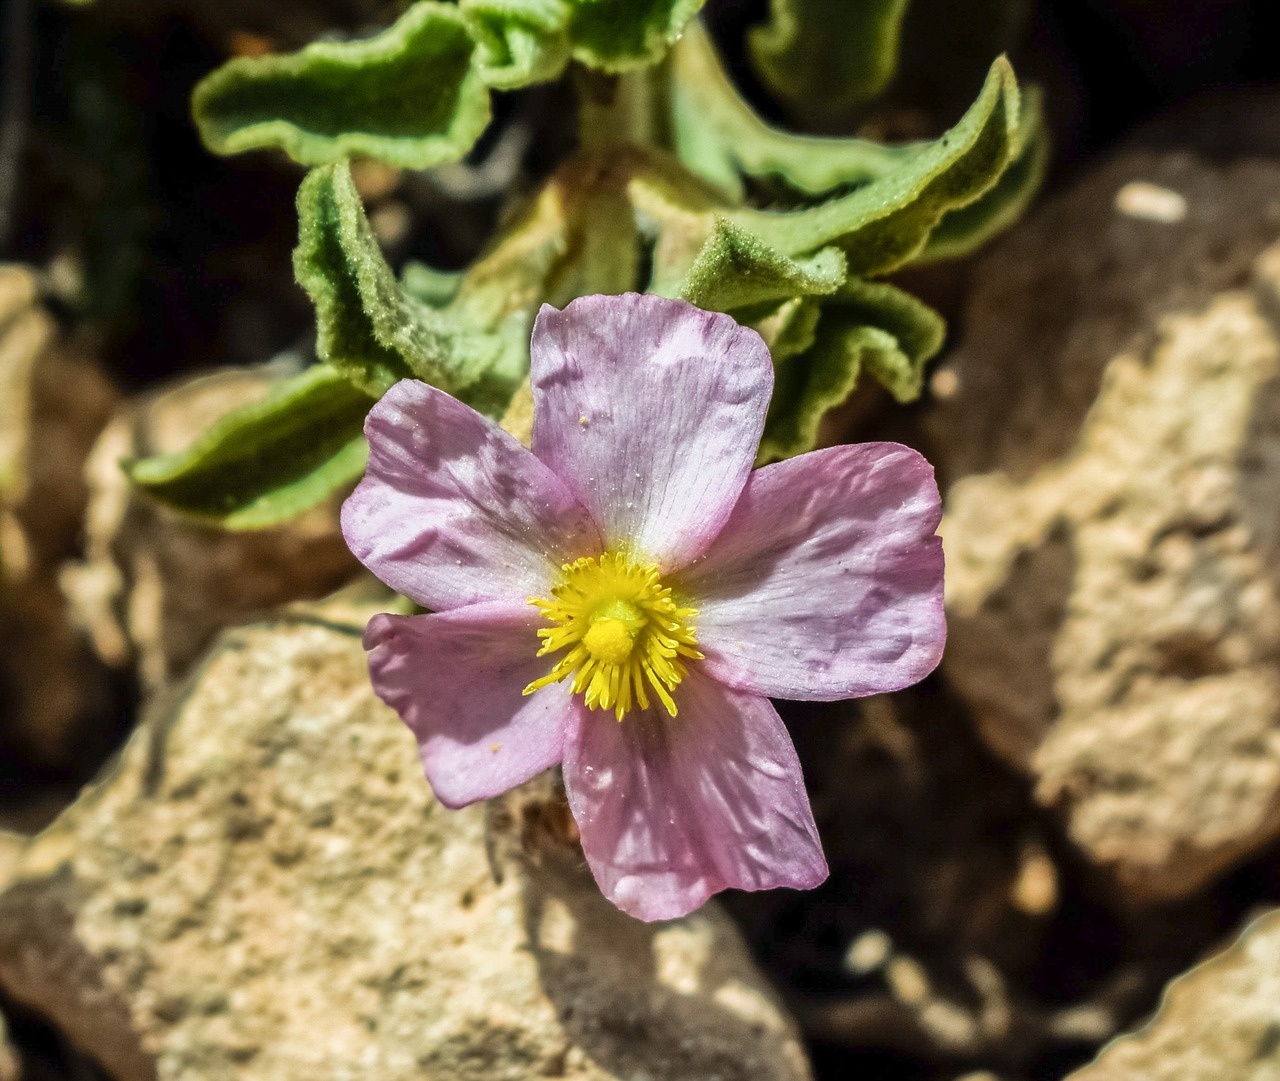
<point x="735" y="269"/>
<point x="828" y="57"/>
<point x="602" y="252"/>
<point x="368" y="326"/>
<point x="870" y="327"/>
<point x="965" y="230"/>
<point x="719" y="137"/>
<point x="520" y="41"/>
<point x="886" y="223"/>
<point x="787" y="328"/>
<point x="808" y="387"/>
<point x="429" y="285"/>
<point x="267" y="462"/>
<point x="917" y="328"/>
<point x="619" y="35"/>
<point x="412" y="96"/>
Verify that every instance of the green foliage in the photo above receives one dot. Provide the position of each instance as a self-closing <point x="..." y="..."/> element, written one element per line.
<point x="667" y="192"/>
<point x="411" y="96"/>
<point x="417" y="94"/>
<point x="779" y="270"/>
<point x="917" y="330"/>
<point x="882" y="225"/>
<point x="618" y="35"/>
<point x="828" y="56"/>
<point x="736" y="270"/>
<point x="869" y="327"/>
<point x="368" y="326"/>
<point x="520" y="41"/>
<point x="967" y="229"/>
<point x="721" y="139"/>
<point x="267" y="462"/>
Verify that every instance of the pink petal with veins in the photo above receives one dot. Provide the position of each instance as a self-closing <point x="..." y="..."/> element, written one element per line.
<point x="452" y="511"/>
<point x="650" y="410"/>
<point x="674" y="809"/>
<point x="826" y="582"/>
<point x="456" y="680"/>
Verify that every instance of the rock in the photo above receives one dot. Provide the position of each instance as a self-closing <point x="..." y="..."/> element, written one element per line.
<point x="265" y="889"/>
<point x="1079" y="283"/>
<point x="1112" y="575"/>
<point x="53" y="402"/>
<point x="1219" y="1021"/>
<point x="11" y="846"/>
<point x="156" y="586"/>
<point x="9" y="1070"/>
<point x="944" y="894"/>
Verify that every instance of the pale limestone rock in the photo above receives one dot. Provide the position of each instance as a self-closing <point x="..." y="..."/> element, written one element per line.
<point x="11" y="846"/>
<point x="1080" y="282"/>
<point x="1112" y="579"/>
<point x="9" y="1070"/>
<point x="1219" y="1022"/>
<point x="265" y="889"/>
<point x="157" y="586"/>
<point x="53" y="402"/>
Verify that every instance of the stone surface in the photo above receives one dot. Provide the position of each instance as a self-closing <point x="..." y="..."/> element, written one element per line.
<point x="265" y="889"/>
<point x="944" y="894"/>
<point x="53" y="402"/>
<point x="8" y="1056"/>
<point x="1219" y="1022"/>
<point x="1113" y="521"/>
<point x="1079" y="283"/>
<point x="157" y="586"/>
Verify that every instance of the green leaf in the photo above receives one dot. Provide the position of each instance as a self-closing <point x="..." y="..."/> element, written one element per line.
<point x="719" y="137"/>
<point x="678" y="211"/>
<point x="411" y="96"/>
<point x="870" y="327"/>
<point x="735" y="269"/>
<point x="520" y="41"/>
<point x="433" y="287"/>
<point x="965" y="230"/>
<point x="368" y="326"/>
<point x="787" y="328"/>
<point x="917" y="329"/>
<point x="267" y="462"/>
<point x="578" y="236"/>
<point x="619" y="35"/>
<point x="808" y="387"/>
<point x="886" y="223"/>
<point x="828" y="56"/>
<point x="602" y="242"/>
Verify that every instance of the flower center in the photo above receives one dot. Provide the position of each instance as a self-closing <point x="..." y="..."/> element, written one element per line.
<point x="623" y="632"/>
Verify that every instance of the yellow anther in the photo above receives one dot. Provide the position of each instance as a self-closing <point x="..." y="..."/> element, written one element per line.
<point x="621" y="632"/>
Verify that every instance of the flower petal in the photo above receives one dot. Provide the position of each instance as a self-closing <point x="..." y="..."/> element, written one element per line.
<point x="453" y="511"/>
<point x="826" y="582"/>
<point x="456" y="679"/>
<point x="673" y="809"/>
<point x="650" y="410"/>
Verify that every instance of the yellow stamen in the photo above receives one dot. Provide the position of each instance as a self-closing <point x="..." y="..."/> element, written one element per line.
<point x="622" y="632"/>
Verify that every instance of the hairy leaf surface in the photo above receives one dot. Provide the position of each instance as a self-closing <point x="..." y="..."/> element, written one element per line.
<point x="412" y="96"/>
<point x="267" y="462"/>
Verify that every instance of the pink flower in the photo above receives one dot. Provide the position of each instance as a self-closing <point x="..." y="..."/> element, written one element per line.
<point x="625" y="597"/>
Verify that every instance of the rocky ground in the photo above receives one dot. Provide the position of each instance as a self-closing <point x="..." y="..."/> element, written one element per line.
<point x="1058" y="857"/>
